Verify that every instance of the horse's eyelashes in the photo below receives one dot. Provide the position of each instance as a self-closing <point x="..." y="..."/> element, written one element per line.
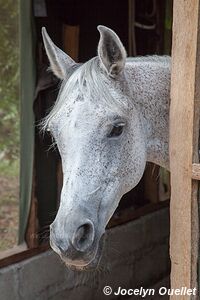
<point x="116" y="130"/>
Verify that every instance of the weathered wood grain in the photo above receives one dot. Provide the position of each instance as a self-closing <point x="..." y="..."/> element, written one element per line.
<point x="183" y="145"/>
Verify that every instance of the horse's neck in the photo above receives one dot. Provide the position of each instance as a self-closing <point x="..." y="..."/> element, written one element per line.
<point x="150" y="88"/>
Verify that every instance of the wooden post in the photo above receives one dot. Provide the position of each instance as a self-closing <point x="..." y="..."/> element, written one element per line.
<point x="184" y="128"/>
<point x="71" y="40"/>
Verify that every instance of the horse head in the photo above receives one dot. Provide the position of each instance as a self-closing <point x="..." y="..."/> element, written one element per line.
<point x="100" y="138"/>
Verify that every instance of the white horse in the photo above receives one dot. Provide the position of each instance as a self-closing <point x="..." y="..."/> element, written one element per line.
<point x="111" y="117"/>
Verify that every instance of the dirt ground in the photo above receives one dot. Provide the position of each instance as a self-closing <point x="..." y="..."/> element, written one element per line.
<point x="9" y="211"/>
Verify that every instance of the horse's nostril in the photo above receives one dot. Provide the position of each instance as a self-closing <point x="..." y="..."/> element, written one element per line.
<point x="83" y="237"/>
<point x="62" y="249"/>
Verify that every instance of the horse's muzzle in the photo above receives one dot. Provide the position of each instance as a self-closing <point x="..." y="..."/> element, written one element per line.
<point x="77" y="247"/>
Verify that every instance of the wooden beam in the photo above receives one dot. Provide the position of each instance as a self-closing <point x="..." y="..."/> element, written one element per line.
<point x="71" y="40"/>
<point x="184" y="89"/>
<point x="19" y="253"/>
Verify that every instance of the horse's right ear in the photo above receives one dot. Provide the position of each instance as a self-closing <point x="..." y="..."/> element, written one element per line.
<point x="60" y="62"/>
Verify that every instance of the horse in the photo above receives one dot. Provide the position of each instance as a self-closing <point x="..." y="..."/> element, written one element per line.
<point x="111" y="116"/>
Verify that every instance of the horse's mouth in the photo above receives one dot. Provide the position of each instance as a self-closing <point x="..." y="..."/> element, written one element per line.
<point x="92" y="264"/>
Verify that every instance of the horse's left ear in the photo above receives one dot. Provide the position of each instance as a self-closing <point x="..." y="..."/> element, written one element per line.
<point x="111" y="51"/>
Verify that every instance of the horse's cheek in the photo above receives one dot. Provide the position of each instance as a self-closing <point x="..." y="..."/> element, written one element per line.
<point x="134" y="164"/>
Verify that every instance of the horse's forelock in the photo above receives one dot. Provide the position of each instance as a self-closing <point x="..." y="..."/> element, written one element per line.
<point x="90" y="80"/>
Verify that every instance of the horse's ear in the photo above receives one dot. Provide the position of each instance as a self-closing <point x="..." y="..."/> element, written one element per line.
<point x="60" y="62"/>
<point x="111" y="51"/>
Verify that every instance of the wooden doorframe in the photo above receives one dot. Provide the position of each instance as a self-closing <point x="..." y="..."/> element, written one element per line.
<point x="184" y="136"/>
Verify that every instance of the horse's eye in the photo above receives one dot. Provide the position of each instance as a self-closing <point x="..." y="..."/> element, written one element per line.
<point x="116" y="130"/>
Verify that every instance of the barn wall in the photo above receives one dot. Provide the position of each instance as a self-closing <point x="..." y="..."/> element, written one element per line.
<point x="136" y="254"/>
